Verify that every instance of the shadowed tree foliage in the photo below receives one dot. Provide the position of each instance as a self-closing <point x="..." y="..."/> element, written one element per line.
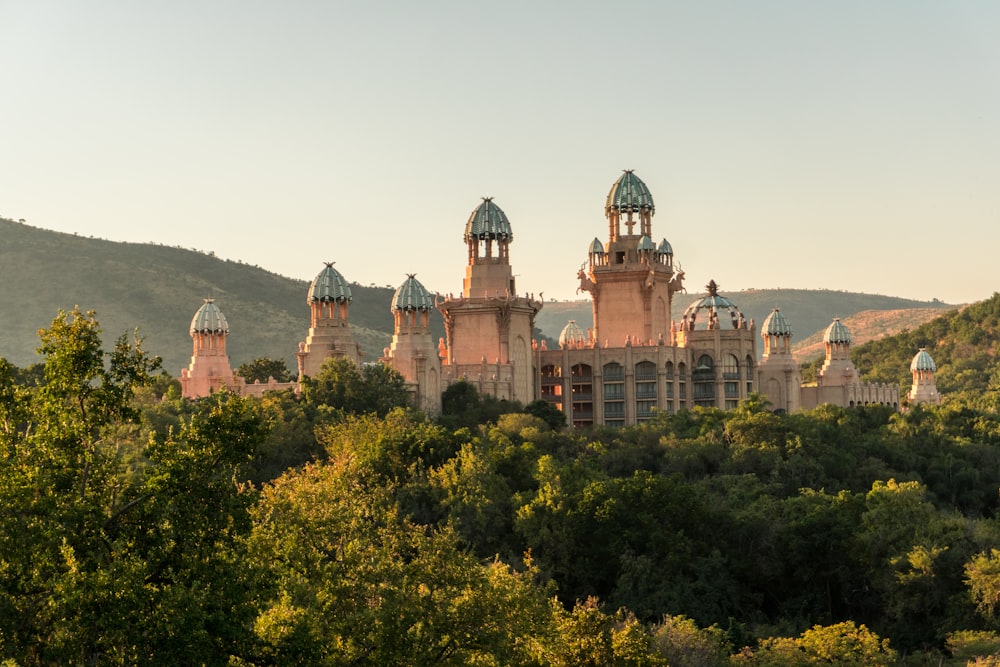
<point x="263" y="369"/>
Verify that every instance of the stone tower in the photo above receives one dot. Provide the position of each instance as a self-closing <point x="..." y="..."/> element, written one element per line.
<point x="838" y="369"/>
<point x="413" y="353"/>
<point x="489" y="327"/>
<point x="631" y="279"/>
<point x="209" y="370"/>
<point x="778" y="373"/>
<point x="924" y="390"/>
<point x="329" y="300"/>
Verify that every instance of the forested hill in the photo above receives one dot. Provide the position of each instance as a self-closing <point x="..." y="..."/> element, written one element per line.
<point x="158" y="289"/>
<point x="963" y="343"/>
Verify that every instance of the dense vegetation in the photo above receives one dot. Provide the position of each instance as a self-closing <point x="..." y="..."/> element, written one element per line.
<point x="340" y="527"/>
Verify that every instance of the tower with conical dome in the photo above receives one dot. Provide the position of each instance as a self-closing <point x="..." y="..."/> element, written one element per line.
<point x="778" y="373"/>
<point x="838" y="369"/>
<point x="838" y="381"/>
<point x="329" y="300"/>
<point x="209" y="370"/>
<point x="413" y="353"/>
<point x="489" y="327"/>
<point x="631" y="279"/>
<point x="924" y="389"/>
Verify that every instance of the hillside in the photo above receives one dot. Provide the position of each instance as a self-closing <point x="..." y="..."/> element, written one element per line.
<point x="865" y="326"/>
<point x="808" y="311"/>
<point x="158" y="289"/>
<point x="964" y="344"/>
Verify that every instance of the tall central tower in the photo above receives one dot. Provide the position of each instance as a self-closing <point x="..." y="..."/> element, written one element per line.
<point x="489" y="326"/>
<point x="631" y="280"/>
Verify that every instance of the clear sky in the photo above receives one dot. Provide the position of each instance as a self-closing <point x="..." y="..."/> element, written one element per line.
<point x="849" y="145"/>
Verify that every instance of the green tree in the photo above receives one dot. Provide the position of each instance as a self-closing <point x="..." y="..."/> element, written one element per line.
<point x="844" y="644"/>
<point x="357" y="583"/>
<point x="342" y="387"/>
<point x="684" y="644"/>
<point x="263" y="369"/>
<point x="102" y="564"/>
<point x="550" y="414"/>
<point x="982" y="576"/>
<point x="587" y="637"/>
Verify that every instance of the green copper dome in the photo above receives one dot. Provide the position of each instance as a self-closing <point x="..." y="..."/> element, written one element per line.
<point x="572" y="334"/>
<point x="411" y="295"/>
<point x="209" y="319"/>
<point x="775" y="325"/>
<point x="665" y="248"/>
<point x="645" y="244"/>
<point x="488" y="222"/>
<point x="329" y="285"/>
<point x="837" y="333"/>
<point x="923" y="362"/>
<point x="629" y="195"/>
<point x="597" y="248"/>
<point x="713" y="303"/>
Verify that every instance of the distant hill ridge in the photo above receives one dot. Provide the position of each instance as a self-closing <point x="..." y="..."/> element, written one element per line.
<point x="158" y="289"/>
<point x="809" y="312"/>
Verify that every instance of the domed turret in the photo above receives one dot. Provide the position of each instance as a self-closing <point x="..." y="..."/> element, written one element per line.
<point x="708" y="308"/>
<point x="665" y="248"/>
<point x="488" y="221"/>
<point x="572" y="336"/>
<point x="209" y="369"/>
<point x="924" y="389"/>
<point x="209" y="319"/>
<point x="837" y="333"/>
<point x="775" y="325"/>
<point x="778" y="373"/>
<point x="412" y="295"/>
<point x="923" y="362"/>
<point x="629" y="195"/>
<point x="597" y="248"/>
<point x="488" y="236"/>
<point x="645" y="245"/>
<point x="329" y="286"/>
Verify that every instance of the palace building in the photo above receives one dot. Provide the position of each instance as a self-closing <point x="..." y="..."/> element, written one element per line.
<point x="634" y="362"/>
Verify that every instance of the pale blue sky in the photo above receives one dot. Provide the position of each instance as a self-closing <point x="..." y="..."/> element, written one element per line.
<point x="839" y="145"/>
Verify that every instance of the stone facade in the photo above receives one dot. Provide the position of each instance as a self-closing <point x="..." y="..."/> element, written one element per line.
<point x="633" y="363"/>
<point x="210" y="370"/>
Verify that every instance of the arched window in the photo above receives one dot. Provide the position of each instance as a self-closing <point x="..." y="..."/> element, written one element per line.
<point x="583" y="394"/>
<point x="552" y="384"/>
<point x="703" y="377"/>
<point x="682" y="381"/>
<point x="731" y="380"/>
<point x="614" y="394"/>
<point x="645" y="390"/>
<point x="748" y="376"/>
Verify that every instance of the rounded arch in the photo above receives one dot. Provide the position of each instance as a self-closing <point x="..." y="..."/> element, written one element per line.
<point x="730" y="365"/>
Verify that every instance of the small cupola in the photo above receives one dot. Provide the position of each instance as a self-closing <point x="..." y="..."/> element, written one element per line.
<point x="329" y="285"/>
<point x="712" y="311"/>
<point x="209" y="320"/>
<point x="629" y="201"/>
<point x="572" y="336"/>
